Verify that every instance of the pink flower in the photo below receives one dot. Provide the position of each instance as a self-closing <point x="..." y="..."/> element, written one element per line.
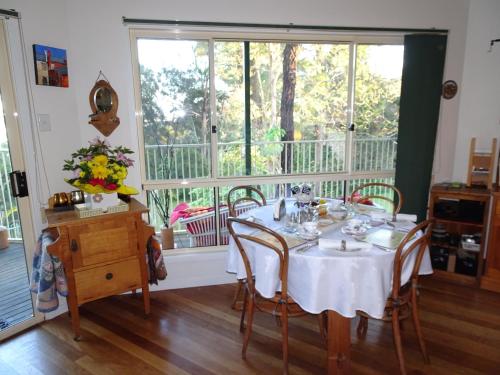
<point x="99" y="142"/>
<point x="76" y="173"/>
<point x="120" y="156"/>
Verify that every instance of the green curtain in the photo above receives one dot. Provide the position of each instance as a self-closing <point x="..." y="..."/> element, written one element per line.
<point x="423" y="66"/>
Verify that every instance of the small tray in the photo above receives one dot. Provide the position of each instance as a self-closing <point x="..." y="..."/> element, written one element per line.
<point x="85" y="211"/>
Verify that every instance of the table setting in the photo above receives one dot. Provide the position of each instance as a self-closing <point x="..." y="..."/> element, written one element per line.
<point x="333" y="263"/>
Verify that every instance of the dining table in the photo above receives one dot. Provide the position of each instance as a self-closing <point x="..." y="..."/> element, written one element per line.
<point x="338" y="281"/>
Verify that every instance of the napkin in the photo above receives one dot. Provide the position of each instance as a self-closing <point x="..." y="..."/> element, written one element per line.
<point x="327" y="244"/>
<point x="388" y="216"/>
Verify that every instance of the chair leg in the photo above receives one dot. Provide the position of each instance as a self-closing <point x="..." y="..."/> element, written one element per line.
<point x="418" y="329"/>
<point x="362" y="327"/>
<point x="397" y="340"/>
<point x="245" y="303"/>
<point x="237" y="294"/>
<point x="248" y="330"/>
<point x="284" y="339"/>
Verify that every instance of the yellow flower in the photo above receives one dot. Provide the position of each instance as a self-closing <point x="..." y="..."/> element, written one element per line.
<point x="101" y="160"/>
<point x="82" y="174"/>
<point x="100" y="172"/>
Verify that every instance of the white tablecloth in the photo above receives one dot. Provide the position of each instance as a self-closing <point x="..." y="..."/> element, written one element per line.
<point x="320" y="280"/>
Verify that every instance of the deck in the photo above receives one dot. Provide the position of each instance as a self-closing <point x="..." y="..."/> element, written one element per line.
<point x="15" y="297"/>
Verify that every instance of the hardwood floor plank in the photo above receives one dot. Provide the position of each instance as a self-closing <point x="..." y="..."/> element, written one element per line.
<point x="194" y="331"/>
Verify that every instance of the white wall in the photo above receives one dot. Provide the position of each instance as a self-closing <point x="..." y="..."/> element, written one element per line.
<point x="96" y="39"/>
<point x="479" y="114"/>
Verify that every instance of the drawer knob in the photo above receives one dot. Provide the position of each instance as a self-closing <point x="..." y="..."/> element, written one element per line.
<point x="109" y="276"/>
<point x="74" y="246"/>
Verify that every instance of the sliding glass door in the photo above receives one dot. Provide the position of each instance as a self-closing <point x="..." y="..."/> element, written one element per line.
<point x="16" y="233"/>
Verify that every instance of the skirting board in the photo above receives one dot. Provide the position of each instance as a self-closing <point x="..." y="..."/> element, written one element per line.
<point x="184" y="271"/>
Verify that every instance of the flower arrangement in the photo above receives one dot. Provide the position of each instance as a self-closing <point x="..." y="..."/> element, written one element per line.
<point x="100" y="169"/>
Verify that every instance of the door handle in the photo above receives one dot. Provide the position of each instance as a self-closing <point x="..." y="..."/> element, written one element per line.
<point x="109" y="276"/>
<point x="18" y="184"/>
<point x="73" y="246"/>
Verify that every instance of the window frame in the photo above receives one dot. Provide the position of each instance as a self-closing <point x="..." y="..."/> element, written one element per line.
<point x="240" y="34"/>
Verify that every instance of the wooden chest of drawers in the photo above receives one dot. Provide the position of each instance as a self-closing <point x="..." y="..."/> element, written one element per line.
<point x="102" y="255"/>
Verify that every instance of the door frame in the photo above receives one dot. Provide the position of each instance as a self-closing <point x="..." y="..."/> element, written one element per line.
<point x="13" y="128"/>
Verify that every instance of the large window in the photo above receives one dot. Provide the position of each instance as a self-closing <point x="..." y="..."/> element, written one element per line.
<point x="219" y="110"/>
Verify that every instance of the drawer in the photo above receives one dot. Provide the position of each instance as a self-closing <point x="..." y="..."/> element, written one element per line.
<point x="497" y="210"/>
<point x="107" y="280"/>
<point x="103" y="241"/>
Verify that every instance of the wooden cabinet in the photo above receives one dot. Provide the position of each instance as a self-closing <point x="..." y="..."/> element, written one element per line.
<point x="458" y="212"/>
<point x="491" y="277"/>
<point x="102" y="255"/>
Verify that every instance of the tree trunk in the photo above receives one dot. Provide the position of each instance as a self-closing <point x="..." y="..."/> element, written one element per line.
<point x="287" y="99"/>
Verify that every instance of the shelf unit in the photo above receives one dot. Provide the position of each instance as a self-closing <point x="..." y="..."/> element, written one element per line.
<point x="459" y="211"/>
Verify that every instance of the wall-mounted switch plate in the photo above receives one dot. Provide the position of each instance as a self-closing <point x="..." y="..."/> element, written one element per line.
<point x="43" y="122"/>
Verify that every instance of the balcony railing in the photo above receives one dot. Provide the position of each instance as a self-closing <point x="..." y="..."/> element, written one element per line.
<point x="191" y="161"/>
<point x="9" y="216"/>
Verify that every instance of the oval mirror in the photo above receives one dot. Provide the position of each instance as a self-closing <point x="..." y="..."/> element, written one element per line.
<point x="104" y="104"/>
<point x="103" y="99"/>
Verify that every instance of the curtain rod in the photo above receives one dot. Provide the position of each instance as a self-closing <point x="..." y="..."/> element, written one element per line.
<point x="290" y="26"/>
<point x="9" y="13"/>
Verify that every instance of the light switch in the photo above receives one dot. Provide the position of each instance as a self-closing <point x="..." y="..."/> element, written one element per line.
<point x="43" y="122"/>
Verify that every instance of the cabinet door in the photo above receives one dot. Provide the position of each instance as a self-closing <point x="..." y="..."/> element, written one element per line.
<point x="103" y="240"/>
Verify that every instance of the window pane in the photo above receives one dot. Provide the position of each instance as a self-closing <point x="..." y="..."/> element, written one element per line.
<point x="376" y="190"/>
<point x="190" y="211"/>
<point x="376" y="106"/>
<point x="175" y="96"/>
<point x="298" y="106"/>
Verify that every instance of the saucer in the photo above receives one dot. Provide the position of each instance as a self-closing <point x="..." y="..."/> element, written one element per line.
<point x="309" y="236"/>
<point x="356" y="230"/>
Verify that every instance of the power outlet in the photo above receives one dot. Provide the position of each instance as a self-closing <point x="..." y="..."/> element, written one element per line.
<point x="44" y="122"/>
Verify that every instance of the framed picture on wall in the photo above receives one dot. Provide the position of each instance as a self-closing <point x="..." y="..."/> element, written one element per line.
<point x="51" y="66"/>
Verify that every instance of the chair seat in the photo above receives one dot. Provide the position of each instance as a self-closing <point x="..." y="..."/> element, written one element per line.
<point x="404" y="305"/>
<point x="272" y="305"/>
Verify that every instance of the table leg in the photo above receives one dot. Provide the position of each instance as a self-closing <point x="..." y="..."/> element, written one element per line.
<point x="339" y="344"/>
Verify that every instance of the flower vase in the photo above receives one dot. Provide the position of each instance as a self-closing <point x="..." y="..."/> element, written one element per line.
<point x="167" y="238"/>
<point x="103" y="201"/>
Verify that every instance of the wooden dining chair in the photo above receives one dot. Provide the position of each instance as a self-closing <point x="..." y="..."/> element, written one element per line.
<point x="402" y="301"/>
<point x="281" y="305"/>
<point x="235" y="197"/>
<point x="369" y="191"/>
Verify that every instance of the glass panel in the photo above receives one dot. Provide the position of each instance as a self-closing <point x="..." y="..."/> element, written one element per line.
<point x="189" y="211"/>
<point x="16" y="304"/>
<point x="381" y="191"/>
<point x="376" y="104"/>
<point x="175" y="97"/>
<point x="298" y="105"/>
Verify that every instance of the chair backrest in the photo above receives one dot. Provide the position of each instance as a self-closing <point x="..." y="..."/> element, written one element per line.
<point x="408" y="246"/>
<point x="368" y="188"/>
<point x="272" y="242"/>
<point x="233" y="199"/>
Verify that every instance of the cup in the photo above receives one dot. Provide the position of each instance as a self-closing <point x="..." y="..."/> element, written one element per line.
<point x="310" y="227"/>
<point x="290" y="224"/>
<point x="61" y="199"/>
<point x="76" y="197"/>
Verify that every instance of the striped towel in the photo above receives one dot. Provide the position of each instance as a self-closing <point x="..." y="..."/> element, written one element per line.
<point x="48" y="278"/>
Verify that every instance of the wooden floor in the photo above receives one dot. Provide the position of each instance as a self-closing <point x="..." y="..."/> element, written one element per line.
<point x="193" y="331"/>
<point x="15" y="297"/>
